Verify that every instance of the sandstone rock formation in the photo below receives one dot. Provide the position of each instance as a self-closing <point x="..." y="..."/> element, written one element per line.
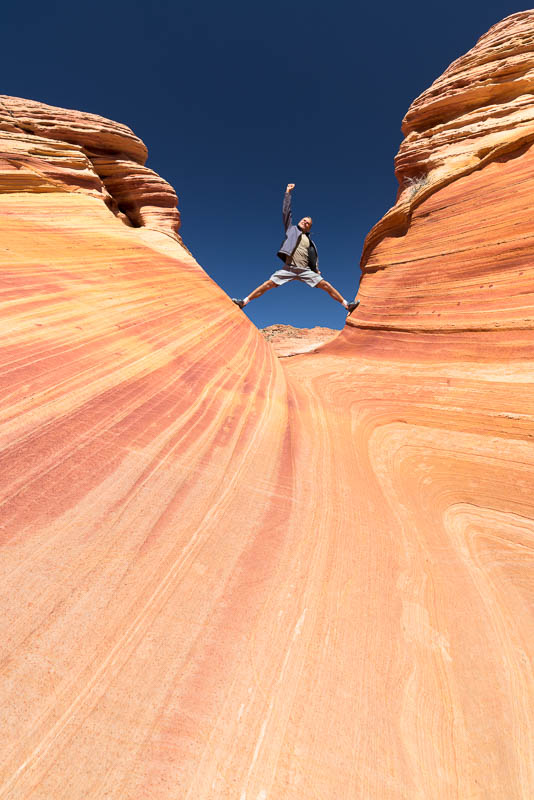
<point x="49" y="149"/>
<point x="461" y="268"/>
<point x="231" y="576"/>
<point x="479" y="110"/>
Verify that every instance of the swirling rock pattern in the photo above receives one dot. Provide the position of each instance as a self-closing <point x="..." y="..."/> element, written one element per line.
<point x="226" y="575"/>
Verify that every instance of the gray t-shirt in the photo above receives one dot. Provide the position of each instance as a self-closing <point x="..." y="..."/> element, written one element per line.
<point x="300" y="256"/>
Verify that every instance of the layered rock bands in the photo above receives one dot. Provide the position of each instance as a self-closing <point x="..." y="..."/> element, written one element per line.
<point x="226" y="575"/>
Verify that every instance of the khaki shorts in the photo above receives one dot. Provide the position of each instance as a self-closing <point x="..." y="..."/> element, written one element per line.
<point x="292" y="273"/>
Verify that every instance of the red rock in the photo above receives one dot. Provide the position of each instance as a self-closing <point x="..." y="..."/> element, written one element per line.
<point x="227" y="575"/>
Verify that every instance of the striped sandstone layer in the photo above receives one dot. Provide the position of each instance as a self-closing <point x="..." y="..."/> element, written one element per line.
<point x="231" y="576"/>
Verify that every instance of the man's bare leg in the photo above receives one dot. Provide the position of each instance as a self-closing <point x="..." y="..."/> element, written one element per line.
<point x="332" y="292"/>
<point x="258" y="291"/>
<point x="262" y="289"/>
<point x="335" y="294"/>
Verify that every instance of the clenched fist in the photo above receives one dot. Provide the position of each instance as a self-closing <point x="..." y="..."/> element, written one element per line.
<point x="290" y="187"/>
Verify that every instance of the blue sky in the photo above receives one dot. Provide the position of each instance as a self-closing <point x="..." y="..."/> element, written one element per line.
<point x="236" y="99"/>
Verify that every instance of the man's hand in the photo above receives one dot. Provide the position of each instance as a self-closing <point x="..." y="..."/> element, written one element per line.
<point x="290" y="187"/>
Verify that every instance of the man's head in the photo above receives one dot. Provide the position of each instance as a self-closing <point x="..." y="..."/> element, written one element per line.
<point x="305" y="224"/>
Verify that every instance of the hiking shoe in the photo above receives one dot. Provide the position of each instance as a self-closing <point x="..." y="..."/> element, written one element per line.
<point x="352" y="306"/>
<point x="238" y="302"/>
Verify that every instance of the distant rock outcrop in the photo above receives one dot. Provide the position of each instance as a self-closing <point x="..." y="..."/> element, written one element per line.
<point x="228" y="576"/>
<point x="289" y="341"/>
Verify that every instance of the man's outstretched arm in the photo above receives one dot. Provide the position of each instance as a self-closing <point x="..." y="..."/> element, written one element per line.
<point x="286" y="206"/>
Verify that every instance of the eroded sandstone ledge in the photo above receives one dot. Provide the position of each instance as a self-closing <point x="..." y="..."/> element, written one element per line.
<point x="48" y="149"/>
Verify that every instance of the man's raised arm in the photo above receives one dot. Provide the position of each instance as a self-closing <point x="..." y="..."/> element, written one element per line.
<point x="286" y="206"/>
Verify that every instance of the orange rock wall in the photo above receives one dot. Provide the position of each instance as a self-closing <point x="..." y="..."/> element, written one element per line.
<point x="460" y="281"/>
<point x="134" y="434"/>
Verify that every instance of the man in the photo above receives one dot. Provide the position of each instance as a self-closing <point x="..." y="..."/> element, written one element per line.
<point x="299" y="254"/>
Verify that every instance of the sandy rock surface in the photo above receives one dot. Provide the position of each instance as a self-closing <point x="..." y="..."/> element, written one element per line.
<point x="227" y="575"/>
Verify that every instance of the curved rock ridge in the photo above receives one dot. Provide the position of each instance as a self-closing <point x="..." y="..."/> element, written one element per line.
<point x="90" y="131"/>
<point x="479" y="110"/>
<point x="45" y="148"/>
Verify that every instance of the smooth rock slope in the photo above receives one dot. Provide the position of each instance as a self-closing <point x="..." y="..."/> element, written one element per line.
<point x="231" y="576"/>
